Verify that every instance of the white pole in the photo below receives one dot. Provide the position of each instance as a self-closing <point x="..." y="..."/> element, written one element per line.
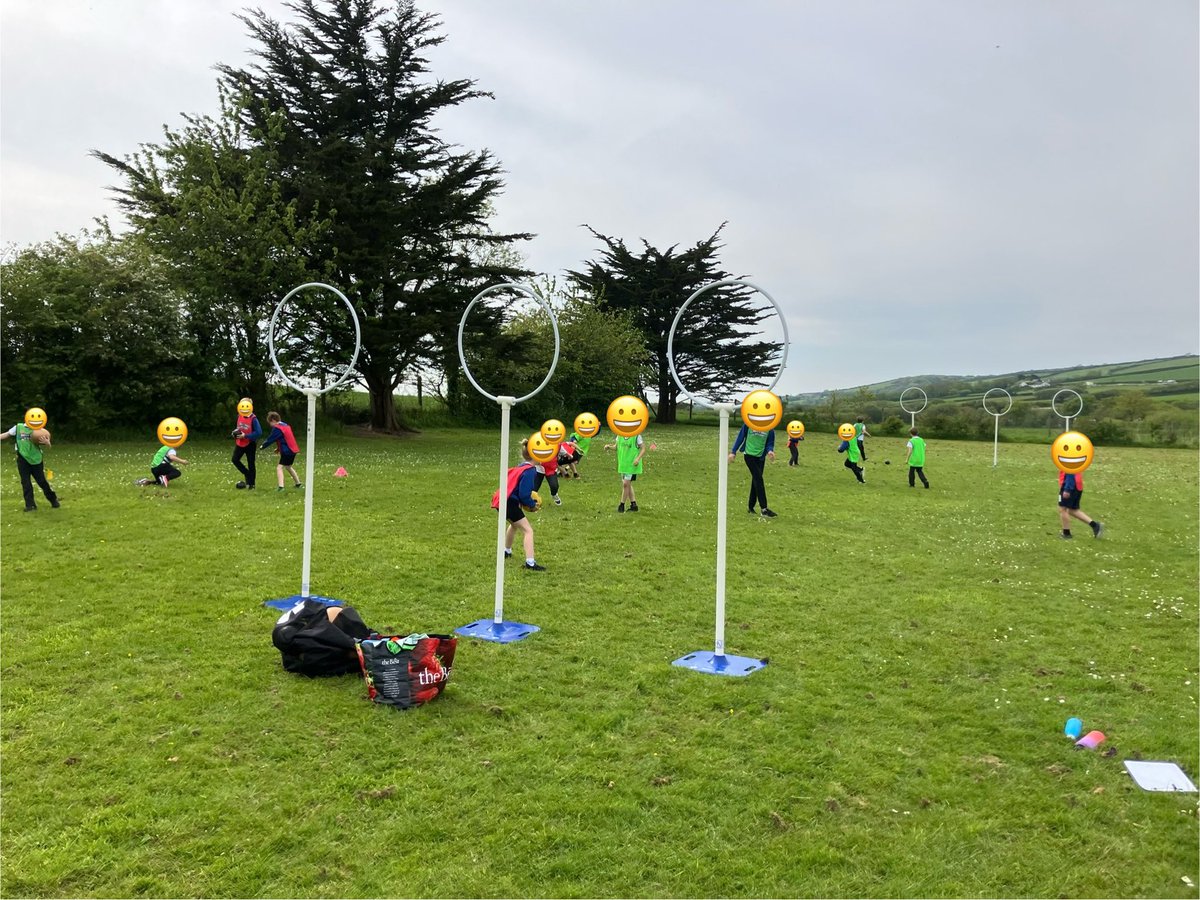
<point x="996" y="443"/>
<point x="722" y="485"/>
<point x="308" y="492"/>
<point x="501" y="524"/>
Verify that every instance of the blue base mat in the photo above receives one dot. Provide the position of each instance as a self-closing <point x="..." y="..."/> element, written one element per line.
<point x="497" y="632"/>
<point x="286" y="603"/>
<point x="711" y="664"/>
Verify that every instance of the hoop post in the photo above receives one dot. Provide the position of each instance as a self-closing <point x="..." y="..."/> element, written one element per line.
<point x="310" y="447"/>
<point x="505" y="414"/>
<point x="722" y="515"/>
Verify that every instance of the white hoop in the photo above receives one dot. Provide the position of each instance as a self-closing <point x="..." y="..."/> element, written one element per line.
<point x="725" y="282"/>
<point x="347" y="372"/>
<point x="531" y="294"/>
<point x="924" y="399"/>
<point x="1062" y="415"/>
<point x="1006" y="409"/>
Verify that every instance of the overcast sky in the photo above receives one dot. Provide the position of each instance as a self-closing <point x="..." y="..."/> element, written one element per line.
<point x="951" y="187"/>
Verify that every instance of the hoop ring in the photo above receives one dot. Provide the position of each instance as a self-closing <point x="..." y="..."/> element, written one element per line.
<point x="1054" y="404"/>
<point x="725" y="282"/>
<point x="1005" y="393"/>
<point x="357" y="338"/>
<point x="531" y="294"/>
<point x="924" y="399"/>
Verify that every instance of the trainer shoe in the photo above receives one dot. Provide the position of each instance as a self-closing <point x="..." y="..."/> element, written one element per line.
<point x="54" y="504"/>
<point x="557" y="500"/>
<point x="621" y="507"/>
<point x="1067" y="537"/>
<point x="278" y="489"/>
<point x="249" y="487"/>
<point x="633" y="506"/>
<point x="299" y="484"/>
<point x="534" y="567"/>
<point x="1097" y="529"/>
<point x="164" y="481"/>
<point x="241" y="485"/>
<point x="31" y="509"/>
<point x="767" y="514"/>
<point x="142" y="482"/>
<point x="508" y="554"/>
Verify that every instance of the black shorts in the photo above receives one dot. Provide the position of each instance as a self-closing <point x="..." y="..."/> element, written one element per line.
<point x="286" y="457"/>
<point x="514" y="513"/>
<point x="1071" y="501"/>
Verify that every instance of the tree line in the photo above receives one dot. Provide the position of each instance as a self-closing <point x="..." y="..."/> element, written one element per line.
<point x="324" y="164"/>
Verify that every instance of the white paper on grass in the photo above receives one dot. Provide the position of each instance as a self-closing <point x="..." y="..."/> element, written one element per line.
<point x="1159" y="776"/>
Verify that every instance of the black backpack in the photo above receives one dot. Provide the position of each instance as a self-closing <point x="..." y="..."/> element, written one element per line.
<point x="313" y="644"/>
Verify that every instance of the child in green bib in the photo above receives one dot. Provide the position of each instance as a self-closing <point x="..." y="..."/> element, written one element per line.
<point x="630" y="451"/>
<point x="29" y="459"/>
<point x="916" y="459"/>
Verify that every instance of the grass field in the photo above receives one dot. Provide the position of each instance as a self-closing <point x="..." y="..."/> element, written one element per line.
<point x="905" y="738"/>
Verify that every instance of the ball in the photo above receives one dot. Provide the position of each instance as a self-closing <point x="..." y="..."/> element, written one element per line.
<point x="40" y="436"/>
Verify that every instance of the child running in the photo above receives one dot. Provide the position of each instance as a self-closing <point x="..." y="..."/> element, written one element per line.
<point x="520" y="498"/>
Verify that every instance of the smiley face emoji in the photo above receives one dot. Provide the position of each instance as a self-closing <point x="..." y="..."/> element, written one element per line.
<point x="172" y="432"/>
<point x="540" y="449"/>
<point x="245" y="406"/>
<point x="846" y="431"/>
<point x="795" y="429"/>
<point x="627" y="416"/>
<point x="35" y="418"/>
<point x="586" y="425"/>
<point x="554" y="431"/>
<point x="1072" y="452"/>
<point x="762" y="410"/>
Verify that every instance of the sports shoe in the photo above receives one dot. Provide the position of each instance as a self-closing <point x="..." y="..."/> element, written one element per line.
<point x="241" y="485"/>
<point x="31" y="509"/>
<point x="142" y="482"/>
<point x="1097" y="529"/>
<point x="534" y="567"/>
<point x="299" y="484"/>
<point x="249" y="487"/>
<point x="633" y="506"/>
<point x="557" y="500"/>
<point x="278" y="489"/>
<point x="164" y="481"/>
<point x="508" y="554"/>
<point x="621" y="507"/>
<point x="1067" y="537"/>
<point x="767" y="514"/>
<point x="752" y="511"/>
<point x="54" y="504"/>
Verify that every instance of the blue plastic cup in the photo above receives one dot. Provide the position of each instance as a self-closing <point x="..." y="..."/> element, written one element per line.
<point x="1074" y="728"/>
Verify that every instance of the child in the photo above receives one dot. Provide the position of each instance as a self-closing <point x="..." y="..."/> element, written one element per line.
<point x="1070" y="489"/>
<point x="548" y="472"/>
<point x="161" y="469"/>
<point x="245" y="432"/>
<point x="287" y="448"/>
<point x="915" y="458"/>
<point x="519" y="498"/>
<point x="860" y="432"/>
<point x="850" y="448"/>
<point x="756" y="447"/>
<point x="794" y="449"/>
<point x="582" y="445"/>
<point x="29" y="458"/>
<point x="630" y="451"/>
<point x="568" y="456"/>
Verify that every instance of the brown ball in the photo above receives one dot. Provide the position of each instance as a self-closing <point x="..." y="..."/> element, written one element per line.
<point x="41" y="436"/>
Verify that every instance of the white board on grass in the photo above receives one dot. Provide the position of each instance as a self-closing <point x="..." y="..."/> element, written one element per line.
<point x="1159" y="776"/>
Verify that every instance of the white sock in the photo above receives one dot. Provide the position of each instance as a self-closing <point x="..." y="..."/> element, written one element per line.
<point x="530" y="561"/>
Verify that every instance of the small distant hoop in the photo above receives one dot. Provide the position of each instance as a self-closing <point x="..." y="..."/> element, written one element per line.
<point x="725" y="282"/>
<point x="532" y="295"/>
<point x="924" y="401"/>
<point x="1007" y="396"/>
<point x="347" y="370"/>
<point x="1059" y="413"/>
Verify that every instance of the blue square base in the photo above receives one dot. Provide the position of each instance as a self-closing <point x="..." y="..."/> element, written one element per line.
<point x="712" y="664"/>
<point x="286" y="603"/>
<point x="497" y="632"/>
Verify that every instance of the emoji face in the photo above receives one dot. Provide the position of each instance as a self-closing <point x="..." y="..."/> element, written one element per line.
<point x="245" y="406"/>
<point x="795" y="428"/>
<point x="554" y="431"/>
<point x="541" y="449"/>
<point x="761" y="410"/>
<point x="35" y="417"/>
<point x="1072" y="452"/>
<point x="172" y="432"/>
<point x="586" y="425"/>
<point x="627" y="416"/>
<point x="846" y="431"/>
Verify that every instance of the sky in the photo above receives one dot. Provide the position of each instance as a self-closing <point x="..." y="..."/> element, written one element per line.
<point x="942" y="187"/>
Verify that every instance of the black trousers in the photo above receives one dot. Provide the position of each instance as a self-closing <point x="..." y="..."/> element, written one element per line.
<point x="862" y="449"/>
<point x="758" y="490"/>
<point x="31" y="472"/>
<point x="855" y="468"/>
<point x="918" y="471"/>
<point x="165" y="468"/>
<point x="539" y="477"/>
<point x="247" y="471"/>
<point x="795" y="460"/>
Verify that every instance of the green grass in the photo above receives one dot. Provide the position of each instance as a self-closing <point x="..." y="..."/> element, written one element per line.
<point x="905" y="739"/>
